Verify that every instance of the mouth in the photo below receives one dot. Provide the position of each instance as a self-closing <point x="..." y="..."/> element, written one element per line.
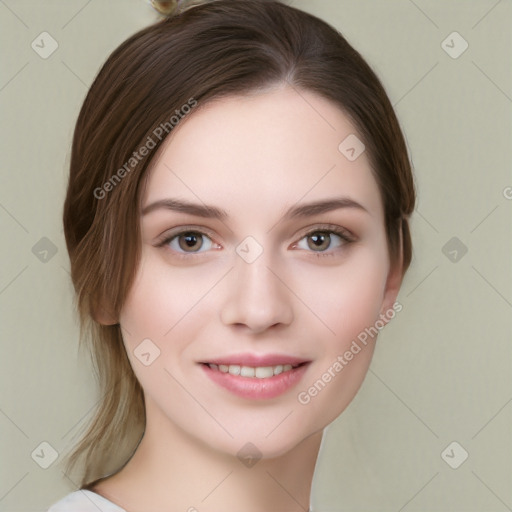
<point x="256" y="378"/>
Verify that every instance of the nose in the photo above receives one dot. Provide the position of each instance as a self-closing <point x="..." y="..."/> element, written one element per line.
<point x="256" y="297"/>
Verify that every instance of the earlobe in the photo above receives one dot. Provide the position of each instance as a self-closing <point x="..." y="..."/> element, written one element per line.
<point x="103" y="316"/>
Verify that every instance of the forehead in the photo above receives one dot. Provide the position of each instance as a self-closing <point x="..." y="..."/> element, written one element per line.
<point x="266" y="150"/>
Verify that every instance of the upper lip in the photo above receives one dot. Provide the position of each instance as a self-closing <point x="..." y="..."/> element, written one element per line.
<point x="255" y="360"/>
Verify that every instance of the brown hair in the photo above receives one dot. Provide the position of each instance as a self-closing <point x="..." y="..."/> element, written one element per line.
<point x="214" y="50"/>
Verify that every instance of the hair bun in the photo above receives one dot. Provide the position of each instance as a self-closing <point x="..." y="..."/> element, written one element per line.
<point x="169" y="8"/>
<point x="165" y="8"/>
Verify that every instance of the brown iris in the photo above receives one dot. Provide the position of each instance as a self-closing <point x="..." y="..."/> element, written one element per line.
<point x="319" y="241"/>
<point x="188" y="241"/>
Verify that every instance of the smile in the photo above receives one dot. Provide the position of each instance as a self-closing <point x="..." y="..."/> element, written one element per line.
<point x="254" y="372"/>
<point x="256" y="382"/>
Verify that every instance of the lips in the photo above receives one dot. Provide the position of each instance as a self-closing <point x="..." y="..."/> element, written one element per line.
<point x="252" y="376"/>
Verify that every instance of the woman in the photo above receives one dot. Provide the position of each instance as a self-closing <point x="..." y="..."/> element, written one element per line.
<point x="237" y="225"/>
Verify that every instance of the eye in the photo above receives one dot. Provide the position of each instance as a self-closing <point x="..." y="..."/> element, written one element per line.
<point x="190" y="242"/>
<point x="322" y="240"/>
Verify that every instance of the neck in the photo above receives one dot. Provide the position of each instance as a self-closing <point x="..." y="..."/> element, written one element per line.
<point x="172" y="471"/>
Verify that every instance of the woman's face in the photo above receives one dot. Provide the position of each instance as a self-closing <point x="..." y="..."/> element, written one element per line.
<point x="263" y="246"/>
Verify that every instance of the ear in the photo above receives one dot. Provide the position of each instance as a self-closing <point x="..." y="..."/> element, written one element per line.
<point x="393" y="283"/>
<point x="103" y="315"/>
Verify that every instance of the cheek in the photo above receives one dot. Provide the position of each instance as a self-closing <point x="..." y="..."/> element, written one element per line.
<point x="346" y="298"/>
<point x="162" y="296"/>
<point x="348" y="301"/>
<point x="162" y="307"/>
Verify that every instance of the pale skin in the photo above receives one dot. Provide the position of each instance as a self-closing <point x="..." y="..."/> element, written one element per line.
<point x="255" y="157"/>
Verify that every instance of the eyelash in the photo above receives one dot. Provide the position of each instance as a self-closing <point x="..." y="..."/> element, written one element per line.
<point x="344" y="234"/>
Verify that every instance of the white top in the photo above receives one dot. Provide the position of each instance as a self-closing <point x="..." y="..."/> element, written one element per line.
<point x="84" y="501"/>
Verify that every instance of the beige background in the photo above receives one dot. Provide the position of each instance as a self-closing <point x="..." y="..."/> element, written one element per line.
<point x="442" y="369"/>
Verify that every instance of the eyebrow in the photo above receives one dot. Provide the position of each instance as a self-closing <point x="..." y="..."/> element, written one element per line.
<point x="208" y="211"/>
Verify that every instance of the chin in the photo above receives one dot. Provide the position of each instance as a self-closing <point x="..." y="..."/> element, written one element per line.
<point x="255" y="444"/>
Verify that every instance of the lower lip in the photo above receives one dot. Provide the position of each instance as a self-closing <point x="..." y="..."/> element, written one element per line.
<point x="254" y="388"/>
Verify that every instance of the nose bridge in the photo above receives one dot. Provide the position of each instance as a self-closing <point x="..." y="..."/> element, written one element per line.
<point x="256" y="297"/>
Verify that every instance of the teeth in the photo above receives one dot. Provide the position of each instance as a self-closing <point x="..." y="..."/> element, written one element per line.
<point x="259" y="372"/>
<point x="264" y="372"/>
<point x="247" y="371"/>
<point x="234" y="369"/>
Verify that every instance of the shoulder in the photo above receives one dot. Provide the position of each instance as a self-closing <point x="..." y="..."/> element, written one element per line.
<point x="84" y="501"/>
